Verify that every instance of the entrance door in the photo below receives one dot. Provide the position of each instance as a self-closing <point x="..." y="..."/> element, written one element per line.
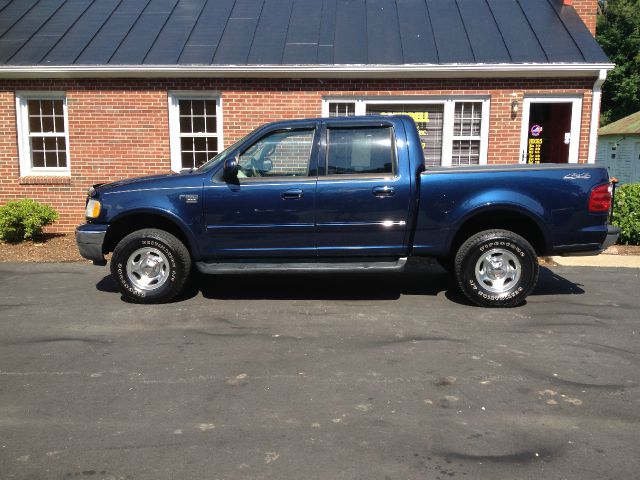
<point x="550" y="130"/>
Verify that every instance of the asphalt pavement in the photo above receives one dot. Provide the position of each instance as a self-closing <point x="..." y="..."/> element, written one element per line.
<point x="331" y="377"/>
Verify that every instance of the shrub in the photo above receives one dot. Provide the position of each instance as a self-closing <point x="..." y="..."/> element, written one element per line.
<point x="24" y="219"/>
<point x="626" y="213"/>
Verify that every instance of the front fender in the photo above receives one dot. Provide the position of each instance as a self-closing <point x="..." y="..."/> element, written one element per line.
<point x="177" y="220"/>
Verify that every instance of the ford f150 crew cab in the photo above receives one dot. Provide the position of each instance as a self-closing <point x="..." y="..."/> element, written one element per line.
<point x="344" y="194"/>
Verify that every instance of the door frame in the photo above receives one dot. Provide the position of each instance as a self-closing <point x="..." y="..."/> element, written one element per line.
<point x="576" y="122"/>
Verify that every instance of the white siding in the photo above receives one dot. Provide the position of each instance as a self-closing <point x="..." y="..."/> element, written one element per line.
<point x="625" y="166"/>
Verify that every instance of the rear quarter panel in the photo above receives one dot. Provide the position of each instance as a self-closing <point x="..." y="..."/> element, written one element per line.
<point x="554" y="197"/>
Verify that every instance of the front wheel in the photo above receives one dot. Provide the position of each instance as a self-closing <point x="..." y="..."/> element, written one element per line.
<point x="496" y="268"/>
<point x="150" y="266"/>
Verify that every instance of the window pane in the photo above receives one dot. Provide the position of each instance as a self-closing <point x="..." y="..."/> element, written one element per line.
<point x="429" y="122"/>
<point x="211" y="124"/>
<point x="47" y="124"/>
<point x="465" y="152"/>
<point x="198" y="125"/>
<point x="342" y="109"/>
<point x="278" y="154"/>
<point x="200" y="144"/>
<point x="359" y="151"/>
<point x="34" y="124"/>
<point x="467" y="119"/>
<point x="37" y="143"/>
<point x="50" y="159"/>
<point x="46" y="107"/>
<point x="185" y="107"/>
<point x="187" y="160"/>
<point x="210" y="107"/>
<point x="59" y="124"/>
<point x="50" y="143"/>
<point x="185" y="125"/>
<point x="200" y="158"/>
<point x="197" y="107"/>
<point x="37" y="159"/>
<point x="62" y="159"/>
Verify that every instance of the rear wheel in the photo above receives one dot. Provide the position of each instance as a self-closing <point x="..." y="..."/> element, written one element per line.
<point x="150" y="266"/>
<point x="496" y="268"/>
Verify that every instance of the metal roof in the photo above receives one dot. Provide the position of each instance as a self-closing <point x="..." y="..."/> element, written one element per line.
<point x="51" y="33"/>
<point x="629" y="125"/>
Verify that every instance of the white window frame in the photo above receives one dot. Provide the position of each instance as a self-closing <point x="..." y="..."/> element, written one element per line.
<point x="576" y="120"/>
<point x="174" y="97"/>
<point x="24" y="144"/>
<point x="448" y="101"/>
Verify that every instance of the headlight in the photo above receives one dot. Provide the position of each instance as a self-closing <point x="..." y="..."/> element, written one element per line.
<point x="93" y="209"/>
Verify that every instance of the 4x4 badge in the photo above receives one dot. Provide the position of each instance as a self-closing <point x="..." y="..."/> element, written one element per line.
<point x="577" y="176"/>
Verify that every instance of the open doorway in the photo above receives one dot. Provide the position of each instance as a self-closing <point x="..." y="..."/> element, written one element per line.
<point x="550" y="130"/>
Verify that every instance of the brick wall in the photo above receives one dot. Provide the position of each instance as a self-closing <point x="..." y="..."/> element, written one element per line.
<point x="588" y="11"/>
<point x="120" y="128"/>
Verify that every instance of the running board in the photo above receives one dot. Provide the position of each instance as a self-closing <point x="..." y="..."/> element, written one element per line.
<point x="302" y="266"/>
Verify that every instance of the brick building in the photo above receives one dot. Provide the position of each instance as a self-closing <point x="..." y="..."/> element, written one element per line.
<point x="93" y="91"/>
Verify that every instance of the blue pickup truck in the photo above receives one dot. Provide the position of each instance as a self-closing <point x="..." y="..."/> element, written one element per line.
<point x="344" y="194"/>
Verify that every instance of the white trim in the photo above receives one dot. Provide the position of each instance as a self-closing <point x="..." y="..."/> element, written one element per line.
<point x="24" y="145"/>
<point x="596" y="97"/>
<point x="173" y="97"/>
<point x="576" y="119"/>
<point x="311" y="71"/>
<point x="448" y="101"/>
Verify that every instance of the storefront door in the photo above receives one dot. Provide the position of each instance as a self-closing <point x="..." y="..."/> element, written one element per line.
<point x="550" y="130"/>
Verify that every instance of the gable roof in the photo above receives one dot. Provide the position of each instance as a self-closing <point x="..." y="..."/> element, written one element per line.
<point x="304" y="33"/>
<point x="629" y="125"/>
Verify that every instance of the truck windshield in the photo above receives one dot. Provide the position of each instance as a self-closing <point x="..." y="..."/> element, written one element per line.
<point x="212" y="162"/>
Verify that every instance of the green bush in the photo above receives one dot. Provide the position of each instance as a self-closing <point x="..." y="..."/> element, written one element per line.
<point x="24" y="219"/>
<point x="626" y="213"/>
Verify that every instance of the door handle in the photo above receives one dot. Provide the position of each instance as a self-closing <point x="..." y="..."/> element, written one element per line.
<point x="383" y="191"/>
<point x="292" y="194"/>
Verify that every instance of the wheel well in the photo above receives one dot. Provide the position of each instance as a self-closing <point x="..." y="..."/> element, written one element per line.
<point x="123" y="227"/>
<point x="502" y="219"/>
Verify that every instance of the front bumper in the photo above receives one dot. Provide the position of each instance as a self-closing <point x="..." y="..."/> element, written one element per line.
<point x="90" y="238"/>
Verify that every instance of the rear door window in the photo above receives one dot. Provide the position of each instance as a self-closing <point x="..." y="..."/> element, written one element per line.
<point x="360" y="151"/>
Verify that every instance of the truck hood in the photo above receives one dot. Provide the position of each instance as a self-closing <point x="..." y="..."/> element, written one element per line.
<point x="167" y="180"/>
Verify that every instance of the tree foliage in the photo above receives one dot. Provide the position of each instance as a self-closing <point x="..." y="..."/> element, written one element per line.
<point x="618" y="32"/>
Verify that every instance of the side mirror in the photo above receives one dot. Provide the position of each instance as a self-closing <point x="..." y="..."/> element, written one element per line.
<point x="230" y="169"/>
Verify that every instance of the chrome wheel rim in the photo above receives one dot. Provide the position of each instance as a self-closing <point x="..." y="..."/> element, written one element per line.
<point x="498" y="270"/>
<point x="147" y="269"/>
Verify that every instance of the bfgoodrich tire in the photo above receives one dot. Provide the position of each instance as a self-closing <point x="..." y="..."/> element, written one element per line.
<point x="150" y="266"/>
<point x="496" y="268"/>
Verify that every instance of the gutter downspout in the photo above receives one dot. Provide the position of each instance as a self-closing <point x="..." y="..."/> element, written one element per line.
<point x="595" y="115"/>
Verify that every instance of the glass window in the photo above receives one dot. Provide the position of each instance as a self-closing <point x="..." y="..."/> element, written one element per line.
<point x="429" y="122"/>
<point x="359" y="151"/>
<point x="47" y="142"/>
<point x="279" y="154"/>
<point x="42" y="133"/>
<point x="467" y="120"/>
<point x="195" y="128"/>
<point x="342" y="109"/>
<point x="198" y="131"/>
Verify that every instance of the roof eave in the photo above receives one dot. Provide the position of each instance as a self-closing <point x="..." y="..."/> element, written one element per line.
<point x="499" y="70"/>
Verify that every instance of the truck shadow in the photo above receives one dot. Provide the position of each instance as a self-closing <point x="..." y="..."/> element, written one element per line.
<point x="427" y="280"/>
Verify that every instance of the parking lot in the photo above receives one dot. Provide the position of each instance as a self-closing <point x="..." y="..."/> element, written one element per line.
<point x="318" y="377"/>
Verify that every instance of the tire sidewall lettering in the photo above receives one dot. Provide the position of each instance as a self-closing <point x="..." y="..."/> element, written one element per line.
<point x="148" y="242"/>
